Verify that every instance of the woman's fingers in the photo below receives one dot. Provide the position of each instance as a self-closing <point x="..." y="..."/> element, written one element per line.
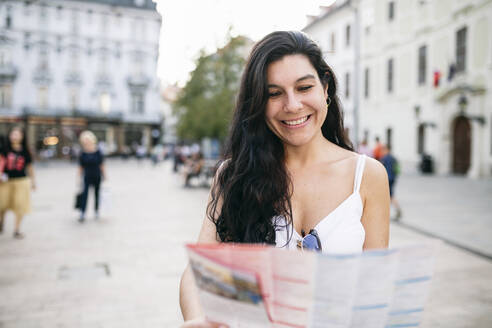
<point x="202" y="323"/>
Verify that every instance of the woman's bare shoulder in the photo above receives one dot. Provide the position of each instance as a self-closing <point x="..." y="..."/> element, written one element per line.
<point x="374" y="175"/>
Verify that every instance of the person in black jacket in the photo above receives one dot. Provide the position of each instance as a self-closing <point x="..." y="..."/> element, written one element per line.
<point x="91" y="170"/>
<point x="16" y="179"/>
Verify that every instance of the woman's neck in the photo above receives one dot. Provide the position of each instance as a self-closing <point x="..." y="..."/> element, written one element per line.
<point x="306" y="155"/>
<point x="17" y="146"/>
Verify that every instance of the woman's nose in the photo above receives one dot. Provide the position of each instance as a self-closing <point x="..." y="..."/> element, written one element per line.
<point x="292" y="103"/>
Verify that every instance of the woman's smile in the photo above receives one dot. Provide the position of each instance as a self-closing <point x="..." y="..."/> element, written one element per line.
<point x="296" y="123"/>
<point x="296" y="107"/>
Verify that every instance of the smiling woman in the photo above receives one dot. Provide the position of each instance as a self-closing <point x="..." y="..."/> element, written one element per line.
<point x="296" y="108"/>
<point x="289" y="168"/>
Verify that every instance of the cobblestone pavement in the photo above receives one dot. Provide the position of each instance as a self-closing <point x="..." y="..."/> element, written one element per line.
<point x="123" y="270"/>
<point x="455" y="208"/>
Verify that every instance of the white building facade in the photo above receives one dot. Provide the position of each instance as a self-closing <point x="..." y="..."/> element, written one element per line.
<point x="425" y="79"/>
<point x="71" y="65"/>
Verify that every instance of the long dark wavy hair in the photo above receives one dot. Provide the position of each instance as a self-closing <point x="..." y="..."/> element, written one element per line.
<point x="252" y="185"/>
<point x="8" y="145"/>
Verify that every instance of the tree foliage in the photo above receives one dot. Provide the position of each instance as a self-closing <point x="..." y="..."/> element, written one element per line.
<point x="204" y="106"/>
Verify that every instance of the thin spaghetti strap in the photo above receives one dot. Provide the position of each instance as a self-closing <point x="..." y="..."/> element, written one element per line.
<point x="359" y="171"/>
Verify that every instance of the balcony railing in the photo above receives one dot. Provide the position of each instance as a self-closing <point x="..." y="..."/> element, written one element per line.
<point x="8" y="73"/>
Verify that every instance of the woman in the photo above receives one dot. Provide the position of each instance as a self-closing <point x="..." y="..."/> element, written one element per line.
<point x="290" y="168"/>
<point x="17" y="179"/>
<point x="91" y="170"/>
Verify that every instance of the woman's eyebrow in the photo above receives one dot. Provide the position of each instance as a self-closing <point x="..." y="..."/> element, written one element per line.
<point x="305" y="77"/>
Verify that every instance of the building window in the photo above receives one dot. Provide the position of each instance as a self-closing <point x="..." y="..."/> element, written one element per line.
<point x="43" y="59"/>
<point x="8" y="18"/>
<point x="75" y="22"/>
<point x="391" y="10"/>
<point x="347" y="35"/>
<point x="89" y="47"/>
<point x="420" y="139"/>
<point x="43" y="97"/>
<point x="138" y="102"/>
<point x="5" y="96"/>
<point x="389" y="138"/>
<point x="58" y="43"/>
<point x="103" y="61"/>
<point x="366" y="83"/>
<point x="117" y="53"/>
<point x="347" y="85"/>
<point x="105" y="102"/>
<point x="27" y="8"/>
<point x="27" y="40"/>
<point x="74" y="60"/>
<point x="3" y="58"/>
<point x="390" y="75"/>
<point x="104" y="23"/>
<point x="332" y="41"/>
<point x="461" y="50"/>
<point x="73" y="99"/>
<point x="422" y="64"/>
<point x="43" y="13"/>
<point x="59" y="12"/>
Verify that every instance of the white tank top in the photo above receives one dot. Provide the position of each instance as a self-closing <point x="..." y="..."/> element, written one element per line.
<point x="340" y="231"/>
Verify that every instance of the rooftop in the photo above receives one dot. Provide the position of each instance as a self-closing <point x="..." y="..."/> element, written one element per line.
<point x="138" y="4"/>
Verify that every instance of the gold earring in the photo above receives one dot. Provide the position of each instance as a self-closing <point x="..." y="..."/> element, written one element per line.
<point x="328" y="102"/>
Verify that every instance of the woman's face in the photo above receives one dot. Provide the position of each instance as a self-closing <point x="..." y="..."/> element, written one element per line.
<point x="15" y="136"/>
<point x="87" y="143"/>
<point x="296" y="107"/>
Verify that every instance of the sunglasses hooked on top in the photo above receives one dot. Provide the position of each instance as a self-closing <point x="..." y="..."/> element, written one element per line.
<point x="310" y="241"/>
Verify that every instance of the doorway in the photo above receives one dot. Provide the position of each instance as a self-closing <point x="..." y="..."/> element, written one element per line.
<point x="461" y="145"/>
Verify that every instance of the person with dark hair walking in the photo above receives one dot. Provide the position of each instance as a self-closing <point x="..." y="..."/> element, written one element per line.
<point x="16" y="179"/>
<point x="393" y="170"/>
<point x="289" y="173"/>
<point x="378" y="147"/>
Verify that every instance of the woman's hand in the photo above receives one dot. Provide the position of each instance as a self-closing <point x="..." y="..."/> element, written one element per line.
<point x="202" y="323"/>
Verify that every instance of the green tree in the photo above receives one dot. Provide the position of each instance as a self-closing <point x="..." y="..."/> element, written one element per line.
<point x="204" y="106"/>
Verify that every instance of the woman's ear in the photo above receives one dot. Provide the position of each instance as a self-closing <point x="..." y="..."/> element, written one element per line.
<point x="325" y="90"/>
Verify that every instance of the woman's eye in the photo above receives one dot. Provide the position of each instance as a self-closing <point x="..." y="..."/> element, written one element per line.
<point x="305" y="88"/>
<point x="273" y="94"/>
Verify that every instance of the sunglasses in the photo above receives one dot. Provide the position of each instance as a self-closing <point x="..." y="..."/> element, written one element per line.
<point x="310" y="241"/>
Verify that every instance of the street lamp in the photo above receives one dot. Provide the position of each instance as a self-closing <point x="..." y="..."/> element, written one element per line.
<point x="463" y="104"/>
<point x="417" y="111"/>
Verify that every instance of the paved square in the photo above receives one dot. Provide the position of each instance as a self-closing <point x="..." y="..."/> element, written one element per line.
<point x="124" y="269"/>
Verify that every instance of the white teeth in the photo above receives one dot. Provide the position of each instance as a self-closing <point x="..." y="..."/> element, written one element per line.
<point x="296" y="122"/>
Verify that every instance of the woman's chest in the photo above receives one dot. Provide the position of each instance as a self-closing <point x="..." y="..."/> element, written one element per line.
<point x="316" y="197"/>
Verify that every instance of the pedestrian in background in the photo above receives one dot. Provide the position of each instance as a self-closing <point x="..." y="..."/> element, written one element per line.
<point x="193" y="167"/>
<point x="91" y="171"/>
<point x="364" y="148"/>
<point x="376" y="151"/>
<point x="393" y="169"/>
<point x="16" y="179"/>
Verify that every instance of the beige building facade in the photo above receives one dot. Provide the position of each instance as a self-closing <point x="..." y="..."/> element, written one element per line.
<point x="425" y="77"/>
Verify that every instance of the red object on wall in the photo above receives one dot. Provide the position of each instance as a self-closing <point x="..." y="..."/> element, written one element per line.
<point x="437" y="77"/>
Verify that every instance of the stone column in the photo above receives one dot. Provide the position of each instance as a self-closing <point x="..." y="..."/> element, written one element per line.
<point x="110" y="138"/>
<point x="31" y="134"/>
<point x="476" y="167"/>
<point x="146" y="137"/>
<point x="120" y="137"/>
